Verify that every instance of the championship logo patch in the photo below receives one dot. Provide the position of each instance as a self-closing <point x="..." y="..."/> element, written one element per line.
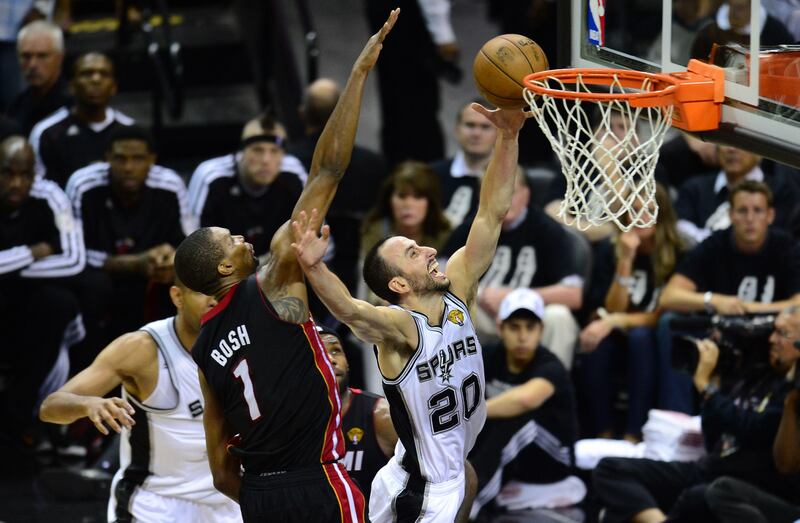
<point x="355" y="434"/>
<point x="456" y="317"/>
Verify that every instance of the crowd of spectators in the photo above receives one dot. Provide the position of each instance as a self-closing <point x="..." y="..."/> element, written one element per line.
<point x="89" y="224"/>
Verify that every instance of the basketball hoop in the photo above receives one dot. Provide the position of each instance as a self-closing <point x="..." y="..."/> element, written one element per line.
<point x="609" y="165"/>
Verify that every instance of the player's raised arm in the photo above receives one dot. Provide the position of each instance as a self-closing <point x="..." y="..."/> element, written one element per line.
<point x="378" y="325"/>
<point x="335" y="145"/>
<point x="470" y="262"/>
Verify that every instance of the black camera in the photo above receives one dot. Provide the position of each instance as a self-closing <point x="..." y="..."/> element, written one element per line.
<point x="743" y="342"/>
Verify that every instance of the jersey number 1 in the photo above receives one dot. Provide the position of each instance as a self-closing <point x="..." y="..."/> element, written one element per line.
<point x="242" y="371"/>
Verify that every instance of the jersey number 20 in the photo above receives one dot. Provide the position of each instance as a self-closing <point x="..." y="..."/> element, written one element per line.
<point x="444" y="404"/>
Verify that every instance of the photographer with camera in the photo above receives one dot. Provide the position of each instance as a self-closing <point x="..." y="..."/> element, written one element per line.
<point x="739" y="428"/>
<point x="747" y="269"/>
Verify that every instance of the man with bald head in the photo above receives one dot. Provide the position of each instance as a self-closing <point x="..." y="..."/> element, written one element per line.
<point x="40" y="52"/>
<point x="358" y="188"/>
<point x="252" y="190"/>
<point x="40" y="245"/>
<point x="74" y="137"/>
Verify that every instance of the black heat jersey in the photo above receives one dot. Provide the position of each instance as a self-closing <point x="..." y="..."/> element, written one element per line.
<point x="273" y="380"/>
<point x="364" y="456"/>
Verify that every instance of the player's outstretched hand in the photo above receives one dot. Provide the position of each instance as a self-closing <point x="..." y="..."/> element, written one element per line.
<point x="113" y="411"/>
<point x="369" y="55"/>
<point x="508" y="120"/>
<point x="309" y="247"/>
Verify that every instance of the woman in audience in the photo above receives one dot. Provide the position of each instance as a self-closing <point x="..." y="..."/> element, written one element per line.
<point x="409" y="204"/>
<point x="629" y="273"/>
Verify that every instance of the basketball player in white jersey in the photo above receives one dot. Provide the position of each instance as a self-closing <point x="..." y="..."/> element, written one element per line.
<point x="164" y="474"/>
<point x="427" y="349"/>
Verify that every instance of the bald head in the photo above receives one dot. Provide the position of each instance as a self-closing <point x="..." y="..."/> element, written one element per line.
<point x="16" y="150"/>
<point x="16" y="172"/>
<point x="320" y="101"/>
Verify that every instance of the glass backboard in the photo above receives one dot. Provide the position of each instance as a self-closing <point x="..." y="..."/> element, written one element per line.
<point x="761" y="111"/>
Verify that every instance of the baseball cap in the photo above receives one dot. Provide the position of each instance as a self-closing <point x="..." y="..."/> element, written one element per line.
<point x="521" y="299"/>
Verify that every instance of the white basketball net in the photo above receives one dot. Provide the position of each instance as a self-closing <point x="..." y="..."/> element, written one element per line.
<point x="609" y="169"/>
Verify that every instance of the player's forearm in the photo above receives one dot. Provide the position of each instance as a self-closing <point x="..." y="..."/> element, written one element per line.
<point x="335" y="145"/>
<point x="757" y="307"/>
<point x="332" y="292"/>
<point x="626" y="321"/>
<point x="498" y="184"/>
<point x="228" y="481"/>
<point x="63" y="408"/>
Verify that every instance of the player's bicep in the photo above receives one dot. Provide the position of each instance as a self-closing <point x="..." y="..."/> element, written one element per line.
<point x="466" y="266"/>
<point x="214" y="424"/>
<point x="385" y="433"/>
<point x="381" y="325"/>
<point x="110" y="367"/>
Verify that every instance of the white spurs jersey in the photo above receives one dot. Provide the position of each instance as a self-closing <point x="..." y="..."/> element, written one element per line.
<point x="437" y="403"/>
<point x="165" y="451"/>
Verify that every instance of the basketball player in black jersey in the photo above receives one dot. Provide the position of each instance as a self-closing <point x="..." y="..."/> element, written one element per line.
<point x="366" y="424"/>
<point x="262" y="366"/>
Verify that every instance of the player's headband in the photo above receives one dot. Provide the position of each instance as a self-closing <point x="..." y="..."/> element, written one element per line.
<point x="322" y="329"/>
<point x="258" y="138"/>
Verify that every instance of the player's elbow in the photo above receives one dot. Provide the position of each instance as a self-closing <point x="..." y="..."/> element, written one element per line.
<point x="46" y="411"/>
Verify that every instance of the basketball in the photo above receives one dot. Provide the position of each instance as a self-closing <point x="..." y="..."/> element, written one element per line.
<point x="500" y="66"/>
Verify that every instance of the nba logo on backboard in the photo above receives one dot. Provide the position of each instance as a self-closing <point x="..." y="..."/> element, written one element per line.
<point x="596" y="22"/>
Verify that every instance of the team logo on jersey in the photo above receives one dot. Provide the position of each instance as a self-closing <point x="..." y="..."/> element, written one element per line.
<point x="355" y="434"/>
<point x="456" y="317"/>
<point x="442" y="362"/>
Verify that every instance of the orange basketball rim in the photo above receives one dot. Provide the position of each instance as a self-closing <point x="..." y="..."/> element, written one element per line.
<point x="696" y="94"/>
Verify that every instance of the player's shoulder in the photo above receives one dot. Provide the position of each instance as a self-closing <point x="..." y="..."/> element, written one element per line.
<point x="213" y="168"/>
<point x="132" y="350"/>
<point x="48" y="123"/>
<point x="86" y="179"/>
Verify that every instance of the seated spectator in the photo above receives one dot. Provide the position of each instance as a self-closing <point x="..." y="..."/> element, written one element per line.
<point x="530" y="407"/>
<point x="684" y="157"/>
<point x="786" y="12"/>
<point x="533" y="251"/>
<point x="40" y="49"/>
<point x="731" y="25"/>
<point x="461" y="175"/>
<point x="750" y="268"/>
<point x="703" y="201"/>
<point x="739" y="428"/>
<point x="688" y="17"/>
<point x="630" y="272"/>
<point x="408" y="205"/>
<point x="40" y="242"/>
<point x="252" y="191"/>
<point x="74" y="137"/>
<point x="132" y="212"/>
<point x="359" y="186"/>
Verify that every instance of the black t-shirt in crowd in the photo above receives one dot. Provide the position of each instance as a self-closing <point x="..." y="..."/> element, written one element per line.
<point x="364" y="456"/>
<point x="643" y="295"/>
<point x="535" y="253"/>
<point x="771" y="274"/>
<point x="218" y="197"/>
<point x="63" y="143"/>
<point x="460" y="194"/>
<point x="110" y="229"/>
<point x="700" y="204"/>
<point x="272" y="381"/>
<point x="28" y="109"/>
<point x="543" y="461"/>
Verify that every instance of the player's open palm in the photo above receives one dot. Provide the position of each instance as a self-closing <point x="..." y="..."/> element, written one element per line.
<point x="508" y="120"/>
<point x="309" y="245"/>
<point x="369" y="55"/>
<point x="115" y="412"/>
